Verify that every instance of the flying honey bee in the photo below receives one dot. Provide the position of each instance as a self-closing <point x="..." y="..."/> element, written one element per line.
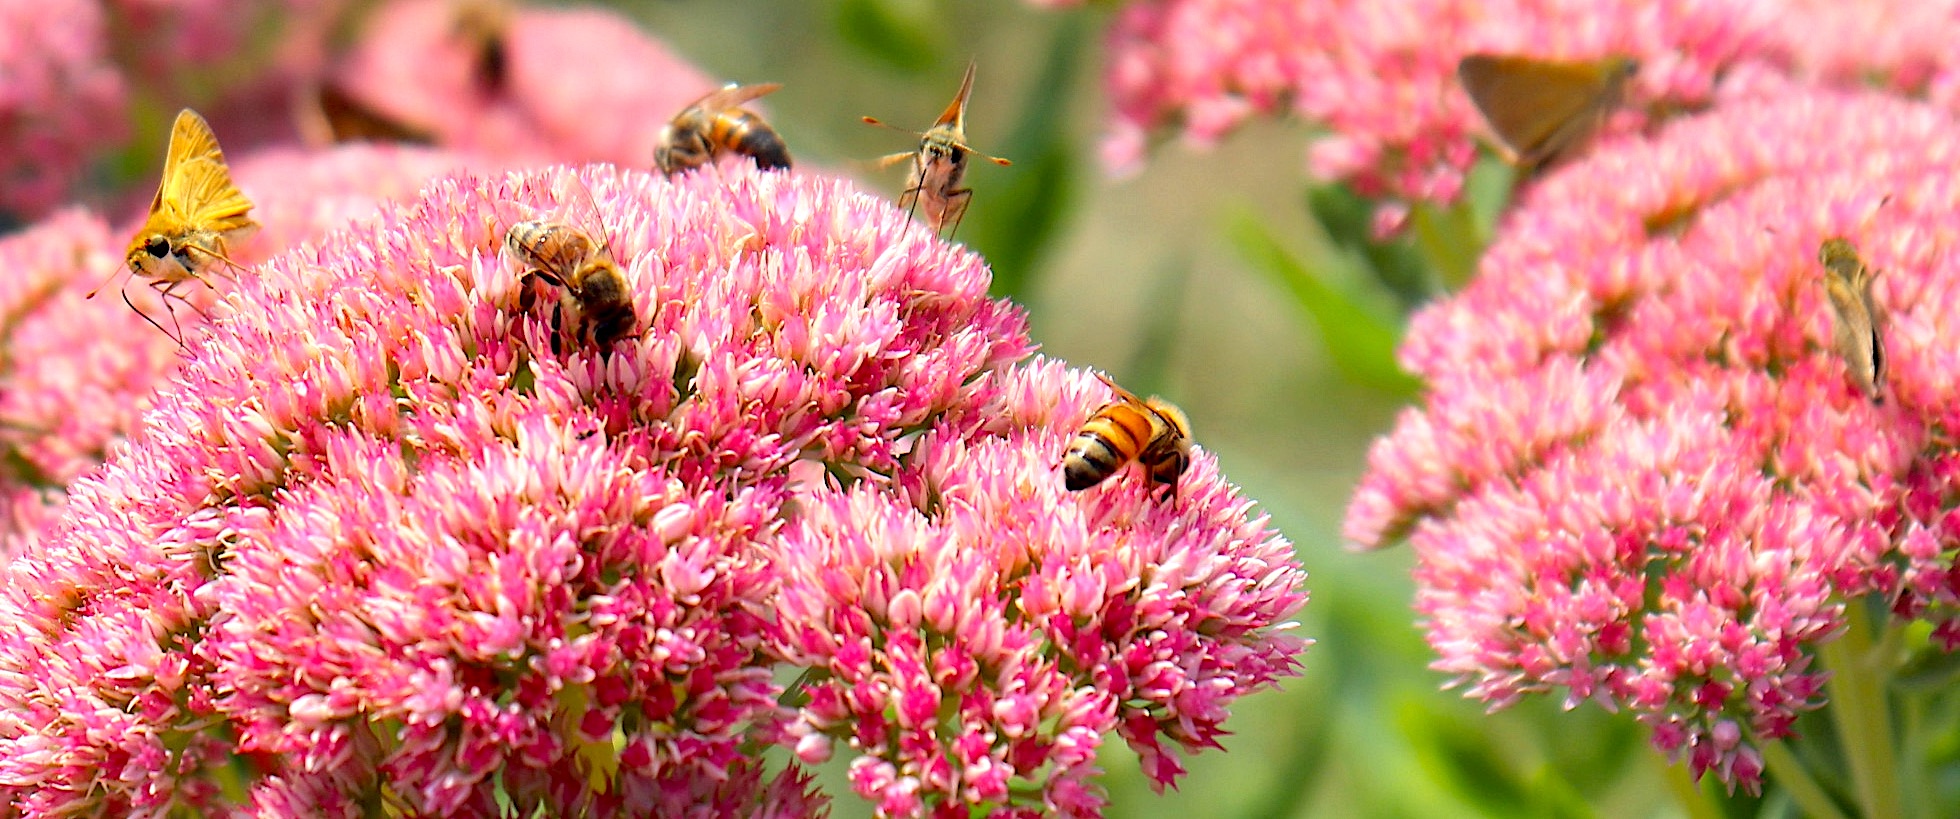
<point x="596" y="304"/>
<point x="1848" y="283"/>
<point x="1538" y="109"/>
<point x="1151" y="432"/>
<point x="939" y="163"/>
<point x="717" y="124"/>
<point x="195" y="216"/>
<point x="483" y="26"/>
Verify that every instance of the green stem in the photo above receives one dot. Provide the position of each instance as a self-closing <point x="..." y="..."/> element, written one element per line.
<point x="1447" y="238"/>
<point x="1858" y="707"/>
<point x="1791" y="776"/>
<point x="1687" y="793"/>
<point x="1914" y="780"/>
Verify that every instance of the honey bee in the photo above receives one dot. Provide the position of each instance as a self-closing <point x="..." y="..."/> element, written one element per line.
<point x="1848" y="283"/>
<point x="596" y="303"/>
<point x="1538" y="109"/>
<point x="196" y="214"/>
<point x="717" y="124"/>
<point x="939" y="163"/>
<point x="1151" y="432"/>
<point x="483" y="26"/>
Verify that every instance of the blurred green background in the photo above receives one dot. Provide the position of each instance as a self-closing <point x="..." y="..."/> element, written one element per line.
<point x="1226" y="282"/>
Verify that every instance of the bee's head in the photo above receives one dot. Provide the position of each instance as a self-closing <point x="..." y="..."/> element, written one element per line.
<point x="682" y="147"/>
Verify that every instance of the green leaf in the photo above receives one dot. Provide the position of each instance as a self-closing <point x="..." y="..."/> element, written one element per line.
<point x="1464" y="756"/>
<point x="1349" y="220"/>
<point x="1360" y="342"/>
<point x="1929" y="670"/>
<point x="905" y="34"/>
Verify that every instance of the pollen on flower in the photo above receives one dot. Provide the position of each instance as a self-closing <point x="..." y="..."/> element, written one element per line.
<point x="1642" y="475"/>
<point x="389" y="531"/>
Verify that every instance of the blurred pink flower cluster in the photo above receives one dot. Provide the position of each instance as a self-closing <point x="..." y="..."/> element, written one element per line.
<point x="78" y="72"/>
<point x="61" y="99"/>
<point x="1379" y="79"/>
<point x="1641" y="474"/>
<point x="387" y="536"/>
<point x="571" y="85"/>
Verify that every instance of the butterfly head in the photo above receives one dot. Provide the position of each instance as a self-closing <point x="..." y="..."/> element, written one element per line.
<point x="153" y="256"/>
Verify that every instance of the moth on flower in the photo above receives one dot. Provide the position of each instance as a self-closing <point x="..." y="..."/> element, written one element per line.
<point x="939" y="163"/>
<point x="196" y="215"/>
<point x="1848" y="283"/>
<point x="1539" y="109"/>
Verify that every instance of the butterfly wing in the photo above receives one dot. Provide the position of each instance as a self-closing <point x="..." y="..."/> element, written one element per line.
<point x="954" y="116"/>
<point x="1848" y="284"/>
<point x="197" y="188"/>
<point x="1538" y="107"/>
<point x="350" y="120"/>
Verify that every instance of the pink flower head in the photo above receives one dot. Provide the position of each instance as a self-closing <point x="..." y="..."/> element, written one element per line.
<point x="576" y="84"/>
<point x="979" y="632"/>
<point x="1381" y="77"/>
<point x="391" y="532"/>
<point x="75" y="373"/>
<point x="1642" y="474"/>
<point x="60" y="98"/>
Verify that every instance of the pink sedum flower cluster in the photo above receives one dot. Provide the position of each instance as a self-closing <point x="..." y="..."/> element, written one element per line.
<point x="390" y="539"/>
<point x="1381" y="77"/>
<point x="1040" y="620"/>
<point x="578" y="84"/>
<point x="1642" y="475"/>
<point x="64" y="395"/>
<point x="77" y="373"/>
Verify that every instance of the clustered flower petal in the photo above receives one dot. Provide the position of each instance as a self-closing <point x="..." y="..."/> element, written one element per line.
<point x="982" y="630"/>
<point x="76" y="373"/>
<point x="392" y="538"/>
<point x="1642" y="475"/>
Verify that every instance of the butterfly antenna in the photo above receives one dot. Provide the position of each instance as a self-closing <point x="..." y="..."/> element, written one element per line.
<point x="120" y="269"/>
<point x="883" y="124"/>
<point x="994" y="159"/>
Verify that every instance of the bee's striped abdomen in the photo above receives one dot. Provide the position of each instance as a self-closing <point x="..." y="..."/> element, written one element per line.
<point x="1110" y="439"/>
<point x="745" y="133"/>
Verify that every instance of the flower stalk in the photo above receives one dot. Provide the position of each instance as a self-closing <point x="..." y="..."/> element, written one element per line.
<point x="1859" y="678"/>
